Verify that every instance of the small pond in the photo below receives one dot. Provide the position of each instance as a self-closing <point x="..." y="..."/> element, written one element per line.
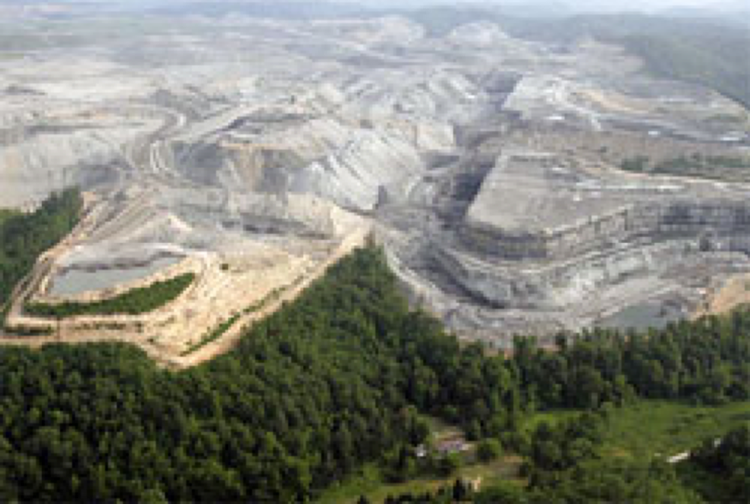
<point x="642" y="316"/>
<point x="77" y="281"/>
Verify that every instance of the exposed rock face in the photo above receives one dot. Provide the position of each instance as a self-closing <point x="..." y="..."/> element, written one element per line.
<point x="45" y="162"/>
<point x="529" y="207"/>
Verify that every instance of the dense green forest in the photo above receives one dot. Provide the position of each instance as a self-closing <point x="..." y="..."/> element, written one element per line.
<point x="338" y="378"/>
<point x="23" y="237"/>
<point x="133" y="302"/>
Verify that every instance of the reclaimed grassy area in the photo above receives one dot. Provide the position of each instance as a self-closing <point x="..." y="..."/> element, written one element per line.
<point x="213" y="334"/>
<point x="223" y="327"/>
<point x="133" y="302"/>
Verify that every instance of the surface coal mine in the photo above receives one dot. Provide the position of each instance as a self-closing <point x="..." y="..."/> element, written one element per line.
<point x="253" y="153"/>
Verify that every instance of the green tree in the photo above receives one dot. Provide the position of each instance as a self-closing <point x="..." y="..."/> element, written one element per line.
<point x="448" y="464"/>
<point x="488" y="449"/>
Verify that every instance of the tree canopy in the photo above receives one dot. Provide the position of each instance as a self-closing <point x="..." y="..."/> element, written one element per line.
<point x="24" y="237"/>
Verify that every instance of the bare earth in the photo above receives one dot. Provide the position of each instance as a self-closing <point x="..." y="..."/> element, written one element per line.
<point x="255" y="152"/>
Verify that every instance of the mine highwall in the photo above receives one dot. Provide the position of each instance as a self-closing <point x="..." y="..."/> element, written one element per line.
<point x="716" y="225"/>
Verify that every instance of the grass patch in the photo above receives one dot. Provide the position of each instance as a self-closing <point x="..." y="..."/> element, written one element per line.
<point x="212" y="335"/>
<point x="28" y="331"/>
<point x="368" y="481"/>
<point x="6" y="214"/>
<point x="667" y="428"/>
<point x="270" y="297"/>
<point x="553" y="416"/>
<point x="222" y="328"/>
<point x="133" y="302"/>
<point x="649" y="427"/>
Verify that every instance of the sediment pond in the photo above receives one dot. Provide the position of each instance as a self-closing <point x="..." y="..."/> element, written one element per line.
<point x="77" y="281"/>
<point x="642" y="316"/>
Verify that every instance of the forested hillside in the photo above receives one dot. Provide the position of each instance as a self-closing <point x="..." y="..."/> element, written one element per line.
<point x="718" y="59"/>
<point x="23" y="237"/>
<point x="712" y="53"/>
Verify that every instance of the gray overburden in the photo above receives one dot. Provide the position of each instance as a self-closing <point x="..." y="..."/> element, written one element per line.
<point x="254" y="151"/>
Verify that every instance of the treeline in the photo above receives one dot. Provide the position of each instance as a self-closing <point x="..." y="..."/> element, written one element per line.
<point x="703" y="361"/>
<point x="132" y="302"/>
<point x="338" y="378"/>
<point x="24" y="237"/>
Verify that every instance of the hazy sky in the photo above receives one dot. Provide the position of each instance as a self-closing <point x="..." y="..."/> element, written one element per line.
<point x="596" y="4"/>
<point x="648" y="4"/>
<point x="581" y="3"/>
